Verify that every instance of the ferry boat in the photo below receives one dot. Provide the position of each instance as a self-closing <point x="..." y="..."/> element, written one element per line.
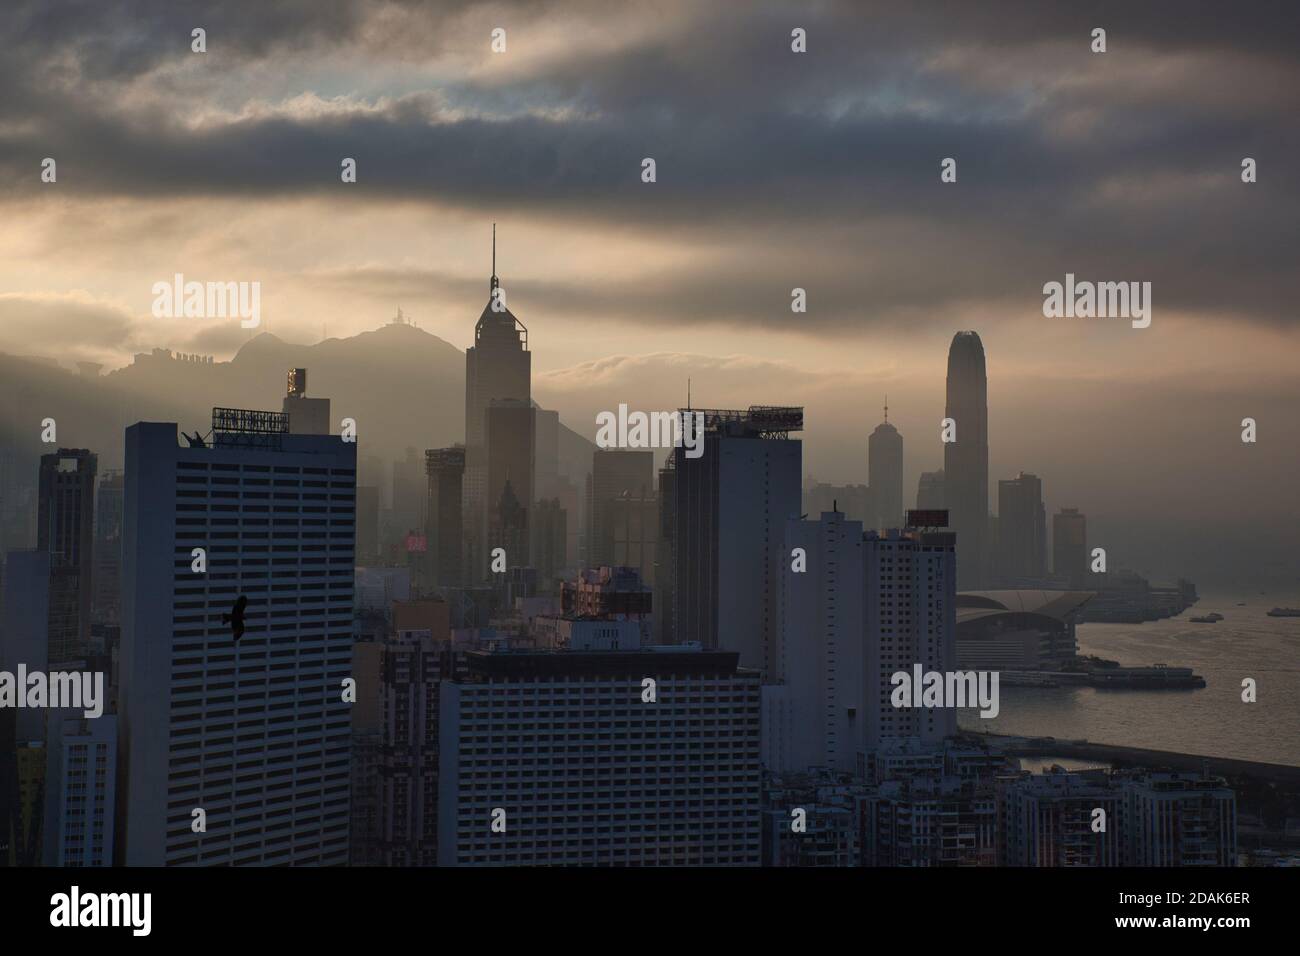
<point x="1212" y="618"/>
<point x="1284" y="612"/>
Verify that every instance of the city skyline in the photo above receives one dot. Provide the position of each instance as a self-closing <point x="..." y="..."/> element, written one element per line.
<point x="466" y="434"/>
<point x="691" y="276"/>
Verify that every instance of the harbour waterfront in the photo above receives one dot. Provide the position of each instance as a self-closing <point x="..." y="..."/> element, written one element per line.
<point x="1212" y="721"/>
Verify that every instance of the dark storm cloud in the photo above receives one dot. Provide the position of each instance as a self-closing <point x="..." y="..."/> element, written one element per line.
<point x="1062" y="165"/>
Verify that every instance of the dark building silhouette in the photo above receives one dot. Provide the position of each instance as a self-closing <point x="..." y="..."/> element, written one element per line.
<point x="444" y="528"/>
<point x="1070" y="546"/>
<point x="367" y="523"/>
<point x="966" y="460"/>
<point x="885" y="475"/>
<point x="498" y="367"/>
<point x="510" y="480"/>
<point x="929" y="491"/>
<point x="1022" y="528"/>
<point x="107" y="600"/>
<point x="549" y="534"/>
<point x="621" y="491"/>
<point x="65" y="528"/>
<point x="665" y="586"/>
<point x="731" y="504"/>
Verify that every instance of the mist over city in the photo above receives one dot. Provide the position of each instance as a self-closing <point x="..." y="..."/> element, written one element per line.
<point x="662" y="434"/>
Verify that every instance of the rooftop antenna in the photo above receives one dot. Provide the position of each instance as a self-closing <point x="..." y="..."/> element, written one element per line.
<point x="494" y="258"/>
<point x="886" y="408"/>
<point x="688" y="393"/>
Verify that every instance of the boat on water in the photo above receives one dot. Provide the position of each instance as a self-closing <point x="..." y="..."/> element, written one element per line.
<point x="1284" y="612"/>
<point x="1155" y="677"/>
<point x="1212" y="618"/>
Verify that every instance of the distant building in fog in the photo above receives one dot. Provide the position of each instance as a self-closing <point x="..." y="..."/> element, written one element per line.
<point x="550" y="537"/>
<point x="509" y="436"/>
<point x="615" y="473"/>
<point x="929" y="491"/>
<point x="966" y="460"/>
<point x="443" y="523"/>
<point x="1070" y="546"/>
<point x="855" y="502"/>
<point x="107" y="600"/>
<point x="498" y="367"/>
<point x="1021" y="529"/>
<point x="885" y="475"/>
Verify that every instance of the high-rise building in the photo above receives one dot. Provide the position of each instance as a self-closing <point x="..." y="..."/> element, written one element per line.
<point x="509" y="437"/>
<point x="444" y="535"/>
<point x="616" y="474"/>
<point x="411" y="662"/>
<point x="1070" y="546"/>
<point x="855" y="502"/>
<point x="1048" y="820"/>
<point x="818" y="715"/>
<point x="1179" y="819"/>
<point x="604" y="775"/>
<point x="367" y="748"/>
<point x="550" y="537"/>
<point x="1022" y="529"/>
<point x="231" y="676"/>
<point x="80" y="790"/>
<point x="665" y="576"/>
<point x="633" y="524"/>
<point x="65" y="528"/>
<point x="498" y="367"/>
<point x="107" y="600"/>
<point x="930" y="821"/>
<point x="730" y="508"/>
<point x="546" y="453"/>
<point x="24" y="639"/>
<point x="966" y="460"/>
<point x="410" y="498"/>
<point x="885" y="475"/>
<point x="307" y="416"/>
<point x="929" y="491"/>
<point x="911" y="618"/>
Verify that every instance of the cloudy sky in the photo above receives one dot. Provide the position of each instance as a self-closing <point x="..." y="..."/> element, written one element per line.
<point x="775" y="170"/>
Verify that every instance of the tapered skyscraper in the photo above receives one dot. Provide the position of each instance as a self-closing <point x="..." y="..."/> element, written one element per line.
<point x="885" y="474"/>
<point x="498" y="367"/>
<point x="966" y="460"/>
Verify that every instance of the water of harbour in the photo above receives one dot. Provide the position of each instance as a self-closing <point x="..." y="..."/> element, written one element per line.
<point x="1212" y="720"/>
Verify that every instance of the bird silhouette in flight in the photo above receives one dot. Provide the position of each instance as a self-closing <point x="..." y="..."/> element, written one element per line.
<point x="236" y="618"/>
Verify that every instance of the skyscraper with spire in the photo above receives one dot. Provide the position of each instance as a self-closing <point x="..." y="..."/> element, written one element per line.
<point x="498" y="367"/>
<point x="885" y="474"/>
<point x="966" y="460"/>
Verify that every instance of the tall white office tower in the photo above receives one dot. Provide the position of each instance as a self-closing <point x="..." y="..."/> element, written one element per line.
<point x="911" y="618"/>
<point x="816" y="716"/>
<point x="80" y="790"/>
<point x="250" y="729"/>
